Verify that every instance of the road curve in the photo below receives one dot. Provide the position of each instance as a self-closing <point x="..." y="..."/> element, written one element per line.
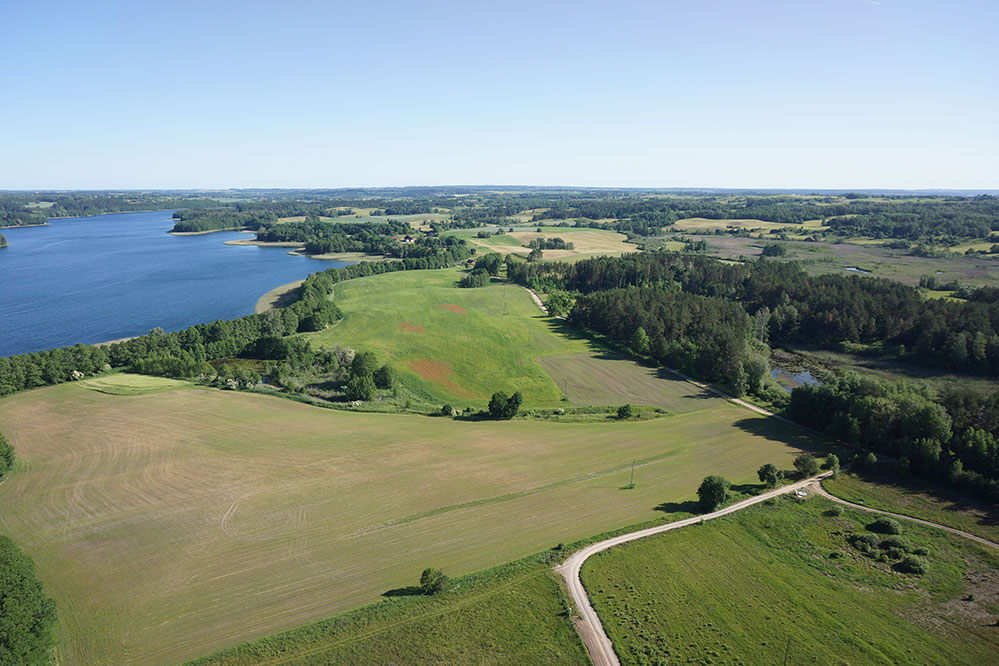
<point x="588" y="624"/>
<point x="819" y="490"/>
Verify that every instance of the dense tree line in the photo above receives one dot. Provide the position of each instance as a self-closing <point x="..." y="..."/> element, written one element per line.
<point x="22" y="209"/>
<point x="3" y="240"/>
<point x="708" y="337"/>
<point x="27" y="616"/>
<point x="953" y="440"/>
<point x="789" y="306"/>
<point x="187" y="353"/>
<point x="549" y="244"/>
<point x="191" y="221"/>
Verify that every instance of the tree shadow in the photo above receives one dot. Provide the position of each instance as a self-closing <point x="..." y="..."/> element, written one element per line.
<point x="411" y="591"/>
<point x="949" y="498"/>
<point x="779" y="431"/>
<point x="690" y="506"/>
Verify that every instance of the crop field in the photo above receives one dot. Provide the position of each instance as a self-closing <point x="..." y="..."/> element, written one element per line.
<point x="450" y="344"/>
<point x="761" y="583"/>
<point x="586" y="242"/>
<point x="605" y="379"/>
<point x="703" y="224"/>
<point x="513" y="614"/>
<point x="912" y="497"/>
<point x="173" y="523"/>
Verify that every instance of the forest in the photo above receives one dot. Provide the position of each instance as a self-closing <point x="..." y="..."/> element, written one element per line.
<point x="789" y="306"/>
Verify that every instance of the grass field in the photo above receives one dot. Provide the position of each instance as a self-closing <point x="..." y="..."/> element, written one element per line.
<point x="450" y="344"/>
<point x="170" y="524"/>
<point x="702" y="224"/>
<point x="820" y="257"/>
<point x="737" y="589"/>
<point x="513" y="614"/>
<point x="912" y="497"/>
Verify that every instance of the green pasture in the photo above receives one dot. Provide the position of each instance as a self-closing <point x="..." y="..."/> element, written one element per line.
<point x="171" y="524"/>
<point x="513" y="614"/>
<point x="450" y="344"/>
<point x="762" y="583"/>
<point x="912" y="497"/>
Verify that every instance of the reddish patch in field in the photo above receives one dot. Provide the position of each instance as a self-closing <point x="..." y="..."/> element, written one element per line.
<point x="451" y="307"/>
<point x="438" y="372"/>
<point x="412" y="328"/>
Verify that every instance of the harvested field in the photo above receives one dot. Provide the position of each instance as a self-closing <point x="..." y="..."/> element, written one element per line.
<point x="167" y="525"/>
<point x="605" y="379"/>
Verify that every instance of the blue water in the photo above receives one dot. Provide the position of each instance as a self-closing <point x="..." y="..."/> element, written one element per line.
<point x="101" y="278"/>
<point x="788" y="379"/>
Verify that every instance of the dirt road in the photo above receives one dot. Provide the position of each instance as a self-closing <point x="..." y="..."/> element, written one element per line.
<point x="588" y="624"/>
<point x="591" y="630"/>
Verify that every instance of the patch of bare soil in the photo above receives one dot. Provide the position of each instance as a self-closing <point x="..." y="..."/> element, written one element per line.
<point x="451" y="307"/>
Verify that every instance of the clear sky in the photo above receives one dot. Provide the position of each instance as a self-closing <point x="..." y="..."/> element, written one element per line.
<point x="668" y="93"/>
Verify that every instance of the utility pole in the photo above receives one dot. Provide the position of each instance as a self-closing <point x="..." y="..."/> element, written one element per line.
<point x="632" y="484"/>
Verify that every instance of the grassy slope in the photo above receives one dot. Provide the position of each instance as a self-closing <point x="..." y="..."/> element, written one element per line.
<point x="170" y="524"/>
<point x="920" y="500"/>
<point x="511" y="614"/>
<point x="735" y="590"/>
<point x="465" y="357"/>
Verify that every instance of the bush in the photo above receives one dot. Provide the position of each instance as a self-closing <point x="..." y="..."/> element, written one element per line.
<point x="503" y="407"/>
<point x="835" y="555"/>
<point x="894" y="542"/>
<point x="712" y="492"/>
<point x="625" y="412"/>
<point x="360" y="387"/>
<point x="835" y="512"/>
<point x="384" y="377"/>
<point x="433" y="581"/>
<point x="448" y="410"/>
<point x="895" y="553"/>
<point x="913" y="564"/>
<point x="920" y="551"/>
<point x="885" y="526"/>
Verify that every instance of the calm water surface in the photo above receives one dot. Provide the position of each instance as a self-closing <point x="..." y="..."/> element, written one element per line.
<point x="101" y="278"/>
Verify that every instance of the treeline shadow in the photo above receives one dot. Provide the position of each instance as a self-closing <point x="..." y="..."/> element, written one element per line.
<point x="411" y="591"/>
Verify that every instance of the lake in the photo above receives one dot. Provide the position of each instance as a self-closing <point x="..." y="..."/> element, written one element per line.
<point x="94" y="279"/>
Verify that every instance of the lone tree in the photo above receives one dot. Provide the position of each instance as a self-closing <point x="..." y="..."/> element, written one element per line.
<point x="806" y="464"/>
<point x="770" y="475"/>
<point x="433" y="581"/>
<point x="625" y="412"/>
<point x="503" y="407"/>
<point x="713" y="491"/>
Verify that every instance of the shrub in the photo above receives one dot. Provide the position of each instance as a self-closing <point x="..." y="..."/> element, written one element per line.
<point x="920" y="551"/>
<point x="895" y="553"/>
<point x="360" y="387"/>
<point x="6" y="456"/>
<point x="885" y="526"/>
<point x="384" y="377"/>
<point x="433" y="581"/>
<point x="835" y="555"/>
<point x="503" y="407"/>
<point x="913" y="564"/>
<point x="448" y="410"/>
<point x="835" y="512"/>
<point x="894" y="542"/>
<point x="625" y="412"/>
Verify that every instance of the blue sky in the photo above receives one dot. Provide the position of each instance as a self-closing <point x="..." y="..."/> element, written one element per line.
<point x="702" y="93"/>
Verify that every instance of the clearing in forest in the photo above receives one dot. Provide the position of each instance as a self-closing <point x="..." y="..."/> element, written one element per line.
<point x="170" y="524"/>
